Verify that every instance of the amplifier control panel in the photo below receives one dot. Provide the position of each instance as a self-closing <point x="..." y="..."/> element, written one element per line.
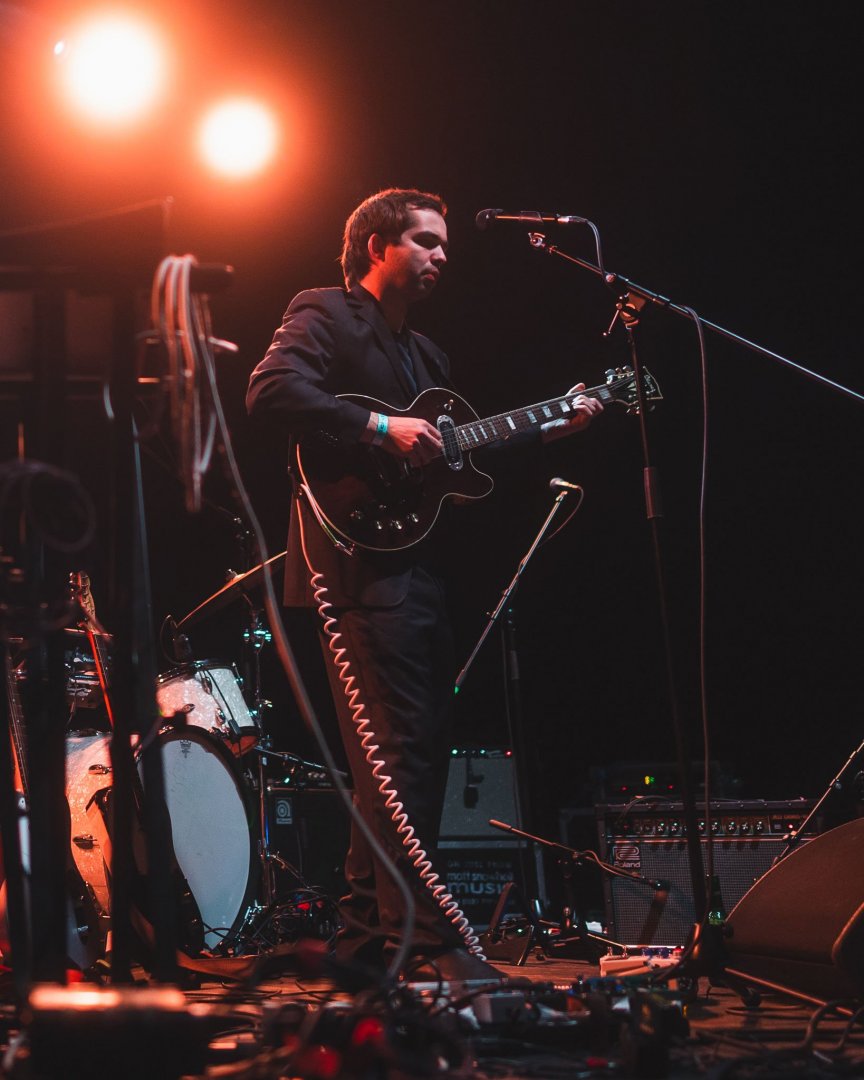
<point x="728" y="819"/>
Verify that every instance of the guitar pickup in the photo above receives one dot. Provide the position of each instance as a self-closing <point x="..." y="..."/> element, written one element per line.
<point x="452" y="451"/>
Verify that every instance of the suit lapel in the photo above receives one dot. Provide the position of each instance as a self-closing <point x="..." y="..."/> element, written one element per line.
<point x="364" y="306"/>
<point x="430" y="362"/>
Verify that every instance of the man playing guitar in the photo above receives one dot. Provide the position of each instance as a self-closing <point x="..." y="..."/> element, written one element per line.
<point x="391" y="665"/>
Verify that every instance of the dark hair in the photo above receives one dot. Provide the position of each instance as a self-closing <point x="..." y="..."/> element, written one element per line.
<point x="386" y="213"/>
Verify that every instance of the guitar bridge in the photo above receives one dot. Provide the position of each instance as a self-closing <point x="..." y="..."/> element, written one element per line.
<point x="452" y="450"/>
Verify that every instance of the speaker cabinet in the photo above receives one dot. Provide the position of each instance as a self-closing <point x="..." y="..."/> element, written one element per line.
<point x="476" y="871"/>
<point x="481" y="784"/>
<point x="650" y="840"/>
<point x="310" y="830"/>
<point x="801" y="927"/>
<point x="476" y="859"/>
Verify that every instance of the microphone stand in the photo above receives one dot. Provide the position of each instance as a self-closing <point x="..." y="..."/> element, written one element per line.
<point x="628" y="288"/>
<point x="571" y="939"/>
<point x="512" y="695"/>
<point x="630" y="303"/>
<point x="793" y="838"/>
<point x="705" y="951"/>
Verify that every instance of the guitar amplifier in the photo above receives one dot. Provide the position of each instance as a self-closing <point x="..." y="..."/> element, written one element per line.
<point x="650" y="840"/>
<point x="310" y="830"/>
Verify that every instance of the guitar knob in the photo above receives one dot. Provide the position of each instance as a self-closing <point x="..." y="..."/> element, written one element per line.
<point x="414" y="519"/>
<point x="378" y="526"/>
<point x="396" y="524"/>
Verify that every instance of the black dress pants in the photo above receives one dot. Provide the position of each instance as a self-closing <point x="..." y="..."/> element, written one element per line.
<point x="402" y="660"/>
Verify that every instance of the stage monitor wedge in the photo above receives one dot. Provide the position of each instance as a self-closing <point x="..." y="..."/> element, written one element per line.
<point x="801" y="926"/>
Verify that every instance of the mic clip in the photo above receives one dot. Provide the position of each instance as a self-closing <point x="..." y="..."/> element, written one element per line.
<point x="627" y="310"/>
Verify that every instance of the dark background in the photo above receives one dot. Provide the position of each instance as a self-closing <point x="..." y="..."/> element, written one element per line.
<point x="715" y="146"/>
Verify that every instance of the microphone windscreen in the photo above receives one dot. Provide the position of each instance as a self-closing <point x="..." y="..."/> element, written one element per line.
<point x="484" y="218"/>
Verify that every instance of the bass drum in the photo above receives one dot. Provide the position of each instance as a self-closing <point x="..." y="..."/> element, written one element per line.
<point x="210" y="824"/>
<point x="88" y="789"/>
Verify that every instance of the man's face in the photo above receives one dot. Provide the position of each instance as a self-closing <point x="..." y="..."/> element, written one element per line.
<point x="412" y="264"/>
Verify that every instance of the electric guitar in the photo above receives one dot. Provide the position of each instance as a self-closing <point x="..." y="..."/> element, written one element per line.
<point x="370" y="499"/>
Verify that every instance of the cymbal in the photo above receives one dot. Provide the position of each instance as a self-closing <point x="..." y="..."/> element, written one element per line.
<point x="238" y="586"/>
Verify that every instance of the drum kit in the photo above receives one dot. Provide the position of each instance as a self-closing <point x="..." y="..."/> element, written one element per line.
<point x="217" y="760"/>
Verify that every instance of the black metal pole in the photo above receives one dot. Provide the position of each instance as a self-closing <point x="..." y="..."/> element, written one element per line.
<point x="653" y="511"/>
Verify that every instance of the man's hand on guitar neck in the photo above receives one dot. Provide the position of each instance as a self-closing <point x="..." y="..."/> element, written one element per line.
<point x="408" y="437"/>
<point x="584" y="410"/>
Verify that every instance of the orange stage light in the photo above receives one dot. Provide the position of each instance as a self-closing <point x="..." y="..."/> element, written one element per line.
<point x="112" y="68"/>
<point x="238" y="137"/>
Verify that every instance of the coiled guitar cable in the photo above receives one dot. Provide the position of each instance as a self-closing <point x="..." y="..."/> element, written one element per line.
<point x="368" y="741"/>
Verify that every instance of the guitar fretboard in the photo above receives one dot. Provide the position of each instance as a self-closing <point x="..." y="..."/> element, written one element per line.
<point x="505" y="425"/>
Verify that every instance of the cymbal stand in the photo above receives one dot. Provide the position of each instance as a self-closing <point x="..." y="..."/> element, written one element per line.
<point x="255" y="637"/>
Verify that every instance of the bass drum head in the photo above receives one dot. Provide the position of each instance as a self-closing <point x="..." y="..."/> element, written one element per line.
<point x="210" y="827"/>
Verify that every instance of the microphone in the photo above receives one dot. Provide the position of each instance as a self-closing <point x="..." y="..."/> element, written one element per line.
<point x="526" y="217"/>
<point x="556" y="484"/>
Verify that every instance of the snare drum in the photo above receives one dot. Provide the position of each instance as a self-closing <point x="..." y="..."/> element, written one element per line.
<point x="208" y="692"/>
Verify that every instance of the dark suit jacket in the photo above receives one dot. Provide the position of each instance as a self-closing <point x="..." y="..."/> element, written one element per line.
<point x="336" y="342"/>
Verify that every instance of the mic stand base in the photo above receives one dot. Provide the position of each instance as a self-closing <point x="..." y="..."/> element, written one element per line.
<point x="510" y="941"/>
<point x="705" y="957"/>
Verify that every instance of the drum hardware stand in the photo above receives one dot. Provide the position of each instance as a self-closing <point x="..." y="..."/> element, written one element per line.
<point x="255" y="637"/>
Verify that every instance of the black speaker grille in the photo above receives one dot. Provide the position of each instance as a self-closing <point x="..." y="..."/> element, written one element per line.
<point x="641" y="915"/>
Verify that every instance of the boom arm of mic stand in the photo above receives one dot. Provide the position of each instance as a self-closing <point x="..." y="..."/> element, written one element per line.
<point x="616" y="281"/>
<point x="505" y="596"/>
<point x="615" y="871"/>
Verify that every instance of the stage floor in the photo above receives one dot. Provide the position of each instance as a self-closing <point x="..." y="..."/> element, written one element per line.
<point x="289" y="1026"/>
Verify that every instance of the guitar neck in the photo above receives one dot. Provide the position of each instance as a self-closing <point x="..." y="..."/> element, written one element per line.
<point x="505" y="425"/>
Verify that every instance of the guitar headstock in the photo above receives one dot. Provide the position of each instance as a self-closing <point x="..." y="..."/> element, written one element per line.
<point x="621" y="385"/>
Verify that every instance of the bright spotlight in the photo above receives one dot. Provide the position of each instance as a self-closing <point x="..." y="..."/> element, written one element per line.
<point x="112" y="68"/>
<point x="238" y="138"/>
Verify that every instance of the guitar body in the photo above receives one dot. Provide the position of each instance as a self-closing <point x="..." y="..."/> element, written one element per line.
<point x="370" y="499"/>
<point x="377" y="501"/>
